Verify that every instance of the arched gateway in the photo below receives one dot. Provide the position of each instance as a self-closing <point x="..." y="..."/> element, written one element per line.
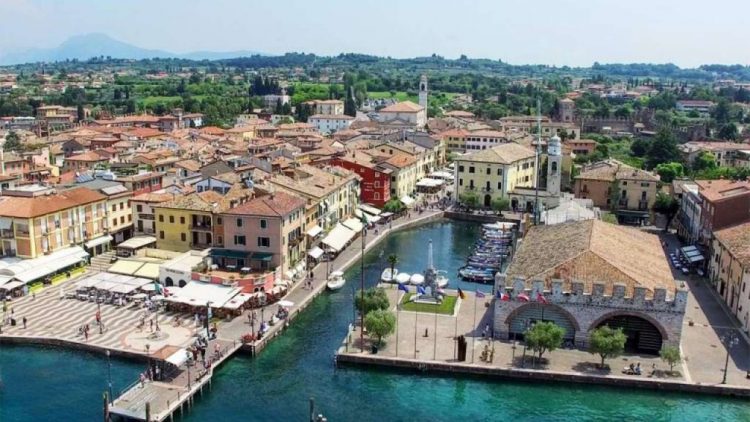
<point x="645" y="335"/>
<point x="527" y="315"/>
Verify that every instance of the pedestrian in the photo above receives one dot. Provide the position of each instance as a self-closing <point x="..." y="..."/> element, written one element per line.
<point x="203" y="355"/>
<point x="98" y="318"/>
<point x="142" y="378"/>
<point x="156" y="373"/>
<point x="86" y="334"/>
<point x="151" y="325"/>
<point x="33" y="295"/>
<point x="24" y="323"/>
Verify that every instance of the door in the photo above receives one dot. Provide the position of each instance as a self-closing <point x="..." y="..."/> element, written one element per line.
<point x="487" y="200"/>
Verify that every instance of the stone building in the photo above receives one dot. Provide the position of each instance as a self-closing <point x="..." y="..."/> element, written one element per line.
<point x="583" y="275"/>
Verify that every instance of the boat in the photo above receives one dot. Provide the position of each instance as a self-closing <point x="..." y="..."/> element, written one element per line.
<point x="416" y="279"/>
<point x="442" y="279"/>
<point x="402" y="278"/>
<point x="336" y="280"/>
<point x="387" y="277"/>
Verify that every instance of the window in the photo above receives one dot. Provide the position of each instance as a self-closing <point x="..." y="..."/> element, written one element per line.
<point x="263" y="224"/>
<point x="139" y="208"/>
<point x="499" y="172"/>
<point x="171" y="218"/>
<point x="130" y="218"/>
<point x="460" y="169"/>
<point x="122" y="219"/>
<point x="183" y="237"/>
<point x="239" y="240"/>
<point x="376" y="184"/>
<point x="624" y="183"/>
<point x="471" y="169"/>
<point x="182" y="220"/>
<point x="161" y="218"/>
<point x="220" y="240"/>
<point x="264" y="242"/>
<point x="460" y="182"/>
<point x="488" y="171"/>
<point x="218" y="221"/>
<point x="499" y="185"/>
<point x="122" y="206"/>
<point x="114" y="207"/>
<point x="376" y="196"/>
<point x="239" y="222"/>
<point x="161" y="234"/>
<point x="114" y="222"/>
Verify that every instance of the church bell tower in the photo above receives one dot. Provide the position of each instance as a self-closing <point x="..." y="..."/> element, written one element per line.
<point x="554" y="165"/>
<point x="423" y="91"/>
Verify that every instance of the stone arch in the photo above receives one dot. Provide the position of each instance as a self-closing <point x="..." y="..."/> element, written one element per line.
<point x="560" y="309"/>
<point x="650" y="319"/>
<point x="182" y="283"/>
<point x="168" y="282"/>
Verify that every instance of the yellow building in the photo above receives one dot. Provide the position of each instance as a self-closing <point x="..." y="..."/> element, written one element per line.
<point x="192" y="221"/>
<point x="39" y="221"/>
<point x="493" y="172"/>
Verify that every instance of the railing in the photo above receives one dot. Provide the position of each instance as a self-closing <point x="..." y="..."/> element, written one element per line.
<point x="643" y="204"/>
<point x="202" y="227"/>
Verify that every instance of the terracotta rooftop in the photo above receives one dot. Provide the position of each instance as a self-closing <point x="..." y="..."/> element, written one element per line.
<point x="86" y="156"/>
<point x="459" y="113"/>
<point x="611" y="170"/>
<point x="592" y="251"/>
<point x="153" y="197"/>
<point x="502" y="154"/>
<point x="143" y="132"/>
<point x="402" y="107"/>
<point x="401" y="160"/>
<point x="23" y="207"/>
<point x="717" y="190"/>
<point x="331" y="116"/>
<point x="212" y="130"/>
<point x="277" y="204"/>
<point x="737" y="240"/>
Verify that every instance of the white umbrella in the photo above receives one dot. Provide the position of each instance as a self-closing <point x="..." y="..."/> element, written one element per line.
<point x="286" y="303"/>
<point x="403" y="277"/>
<point x="148" y="288"/>
<point x="157" y="297"/>
<point x="139" y="296"/>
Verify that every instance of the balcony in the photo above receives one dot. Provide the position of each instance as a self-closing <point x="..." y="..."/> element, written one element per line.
<point x="643" y="204"/>
<point x="623" y="203"/>
<point x="201" y="227"/>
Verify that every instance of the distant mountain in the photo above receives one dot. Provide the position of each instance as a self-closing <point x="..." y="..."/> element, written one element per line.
<point x="84" y="47"/>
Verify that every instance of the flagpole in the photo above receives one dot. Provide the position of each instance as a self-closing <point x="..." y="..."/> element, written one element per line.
<point x="474" y="338"/>
<point x="398" y="308"/>
<point x="416" y="315"/>
<point x="455" y="332"/>
<point x="362" y="293"/>
<point x="434" y="340"/>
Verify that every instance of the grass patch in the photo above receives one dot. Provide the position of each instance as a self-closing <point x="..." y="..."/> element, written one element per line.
<point x="445" y="308"/>
<point x="609" y="217"/>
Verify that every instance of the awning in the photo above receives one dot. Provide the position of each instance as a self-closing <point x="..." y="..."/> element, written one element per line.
<point x="101" y="240"/>
<point x="137" y="242"/>
<point x="369" y="209"/>
<point x="354" y="224"/>
<point x="338" y="237"/>
<point x="148" y="270"/>
<point x="386" y="214"/>
<point x="11" y="285"/>
<point x="5" y="279"/>
<point x="178" y="358"/>
<point x="407" y="200"/>
<point x="315" y="252"/>
<point x="300" y="267"/>
<point x="262" y="256"/>
<point x="230" y="253"/>
<point x="427" y="182"/>
<point x="314" y="231"/>
<point x="124" y="266"/>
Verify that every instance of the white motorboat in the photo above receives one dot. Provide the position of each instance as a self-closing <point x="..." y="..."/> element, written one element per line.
<point x="402" y="278"/>
<point x="387" y="276"/>
<point x="442" y="279"/>
<point x="336" y="280"/>
<point x="416" y="279"/>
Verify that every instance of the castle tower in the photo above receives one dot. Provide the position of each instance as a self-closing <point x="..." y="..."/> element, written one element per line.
<point x="567" y="110"/>
<point x="554" y="165"/>
<point x="423" y="91"/>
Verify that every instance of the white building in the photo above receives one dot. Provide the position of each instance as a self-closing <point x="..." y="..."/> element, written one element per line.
<point x="271" y="100"/>
<point x="404" y="114"/>
<point x="699" y="106"/>
<point x="329" y="123"/>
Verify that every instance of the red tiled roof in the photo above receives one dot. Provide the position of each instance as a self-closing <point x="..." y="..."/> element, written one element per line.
<point x="24" y="207"/>
<point x="273" y="205"/>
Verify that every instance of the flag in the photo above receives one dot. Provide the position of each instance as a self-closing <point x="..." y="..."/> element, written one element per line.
<point x="540" y="298"/>
<point x="502" y="296"/>
<point x="402" y="287"/>
<point x="523" y="297"/>
<point x="421" y="290"/>
<point x="479" y="294"/>
<point x="461" y="293"/>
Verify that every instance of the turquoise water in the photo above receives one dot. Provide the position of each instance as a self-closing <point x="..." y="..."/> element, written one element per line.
<point x="298" y="365"/>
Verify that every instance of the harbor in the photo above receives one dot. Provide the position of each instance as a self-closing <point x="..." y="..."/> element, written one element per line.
<point x="299" y="364"/>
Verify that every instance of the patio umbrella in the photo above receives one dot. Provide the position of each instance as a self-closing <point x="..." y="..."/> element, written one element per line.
<point x="286" y="303"/>
<point x="148" y="287"/>
<point x="157" y="297"/>
<point x="139" y="296"/>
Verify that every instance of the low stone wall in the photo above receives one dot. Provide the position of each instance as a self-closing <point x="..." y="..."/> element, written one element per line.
<point x="54" y="342"/>
<point x="538" y="376"/>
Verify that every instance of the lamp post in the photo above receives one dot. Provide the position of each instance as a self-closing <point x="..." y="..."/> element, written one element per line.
<point x="208" y="320"/>
<point x="109" y="375"/>
<point x="729" y="341"/>
<point x="523" y="359"/>
<point x="187" y="364"/>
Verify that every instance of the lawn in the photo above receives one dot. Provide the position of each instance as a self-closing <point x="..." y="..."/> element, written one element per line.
<point x="400" y="96"/>
<point x="445" y="308"/>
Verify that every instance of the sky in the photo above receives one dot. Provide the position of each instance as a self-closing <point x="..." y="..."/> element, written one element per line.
<point x="556" y="32"/>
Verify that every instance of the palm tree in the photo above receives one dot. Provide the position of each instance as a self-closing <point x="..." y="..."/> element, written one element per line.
<point x="393" y="260"/>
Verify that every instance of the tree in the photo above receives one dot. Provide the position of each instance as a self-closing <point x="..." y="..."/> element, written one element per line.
<point x="500" y="204"/>
<point x="470" y="199"/>
<point x="12" y="142"/>
<point x="81" y="112"/>
<point x="394" y="206"/>
<point x="704" y="161"/>
<point x="729" y="132"/>
<point x="670" y="355"/>
<point x="639" y="147"/>
<point x="607" y="342"/>
<point x="393" y="260"/>
<point x="543" y="337"/>
<point x="663" y="149"/>
<point x="374" y="298"/>
<point x="667" y="205"/>
<point x="380" y="323"/>
<point x="669" y="171"/>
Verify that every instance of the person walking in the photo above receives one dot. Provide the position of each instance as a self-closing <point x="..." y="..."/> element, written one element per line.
<point x="24" y="322"/>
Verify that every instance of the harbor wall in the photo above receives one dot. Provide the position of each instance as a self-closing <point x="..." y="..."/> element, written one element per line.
<point x="538" y="376"/>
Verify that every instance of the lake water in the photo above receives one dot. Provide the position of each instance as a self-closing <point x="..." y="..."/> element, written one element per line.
<point x="40" y="384"/>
